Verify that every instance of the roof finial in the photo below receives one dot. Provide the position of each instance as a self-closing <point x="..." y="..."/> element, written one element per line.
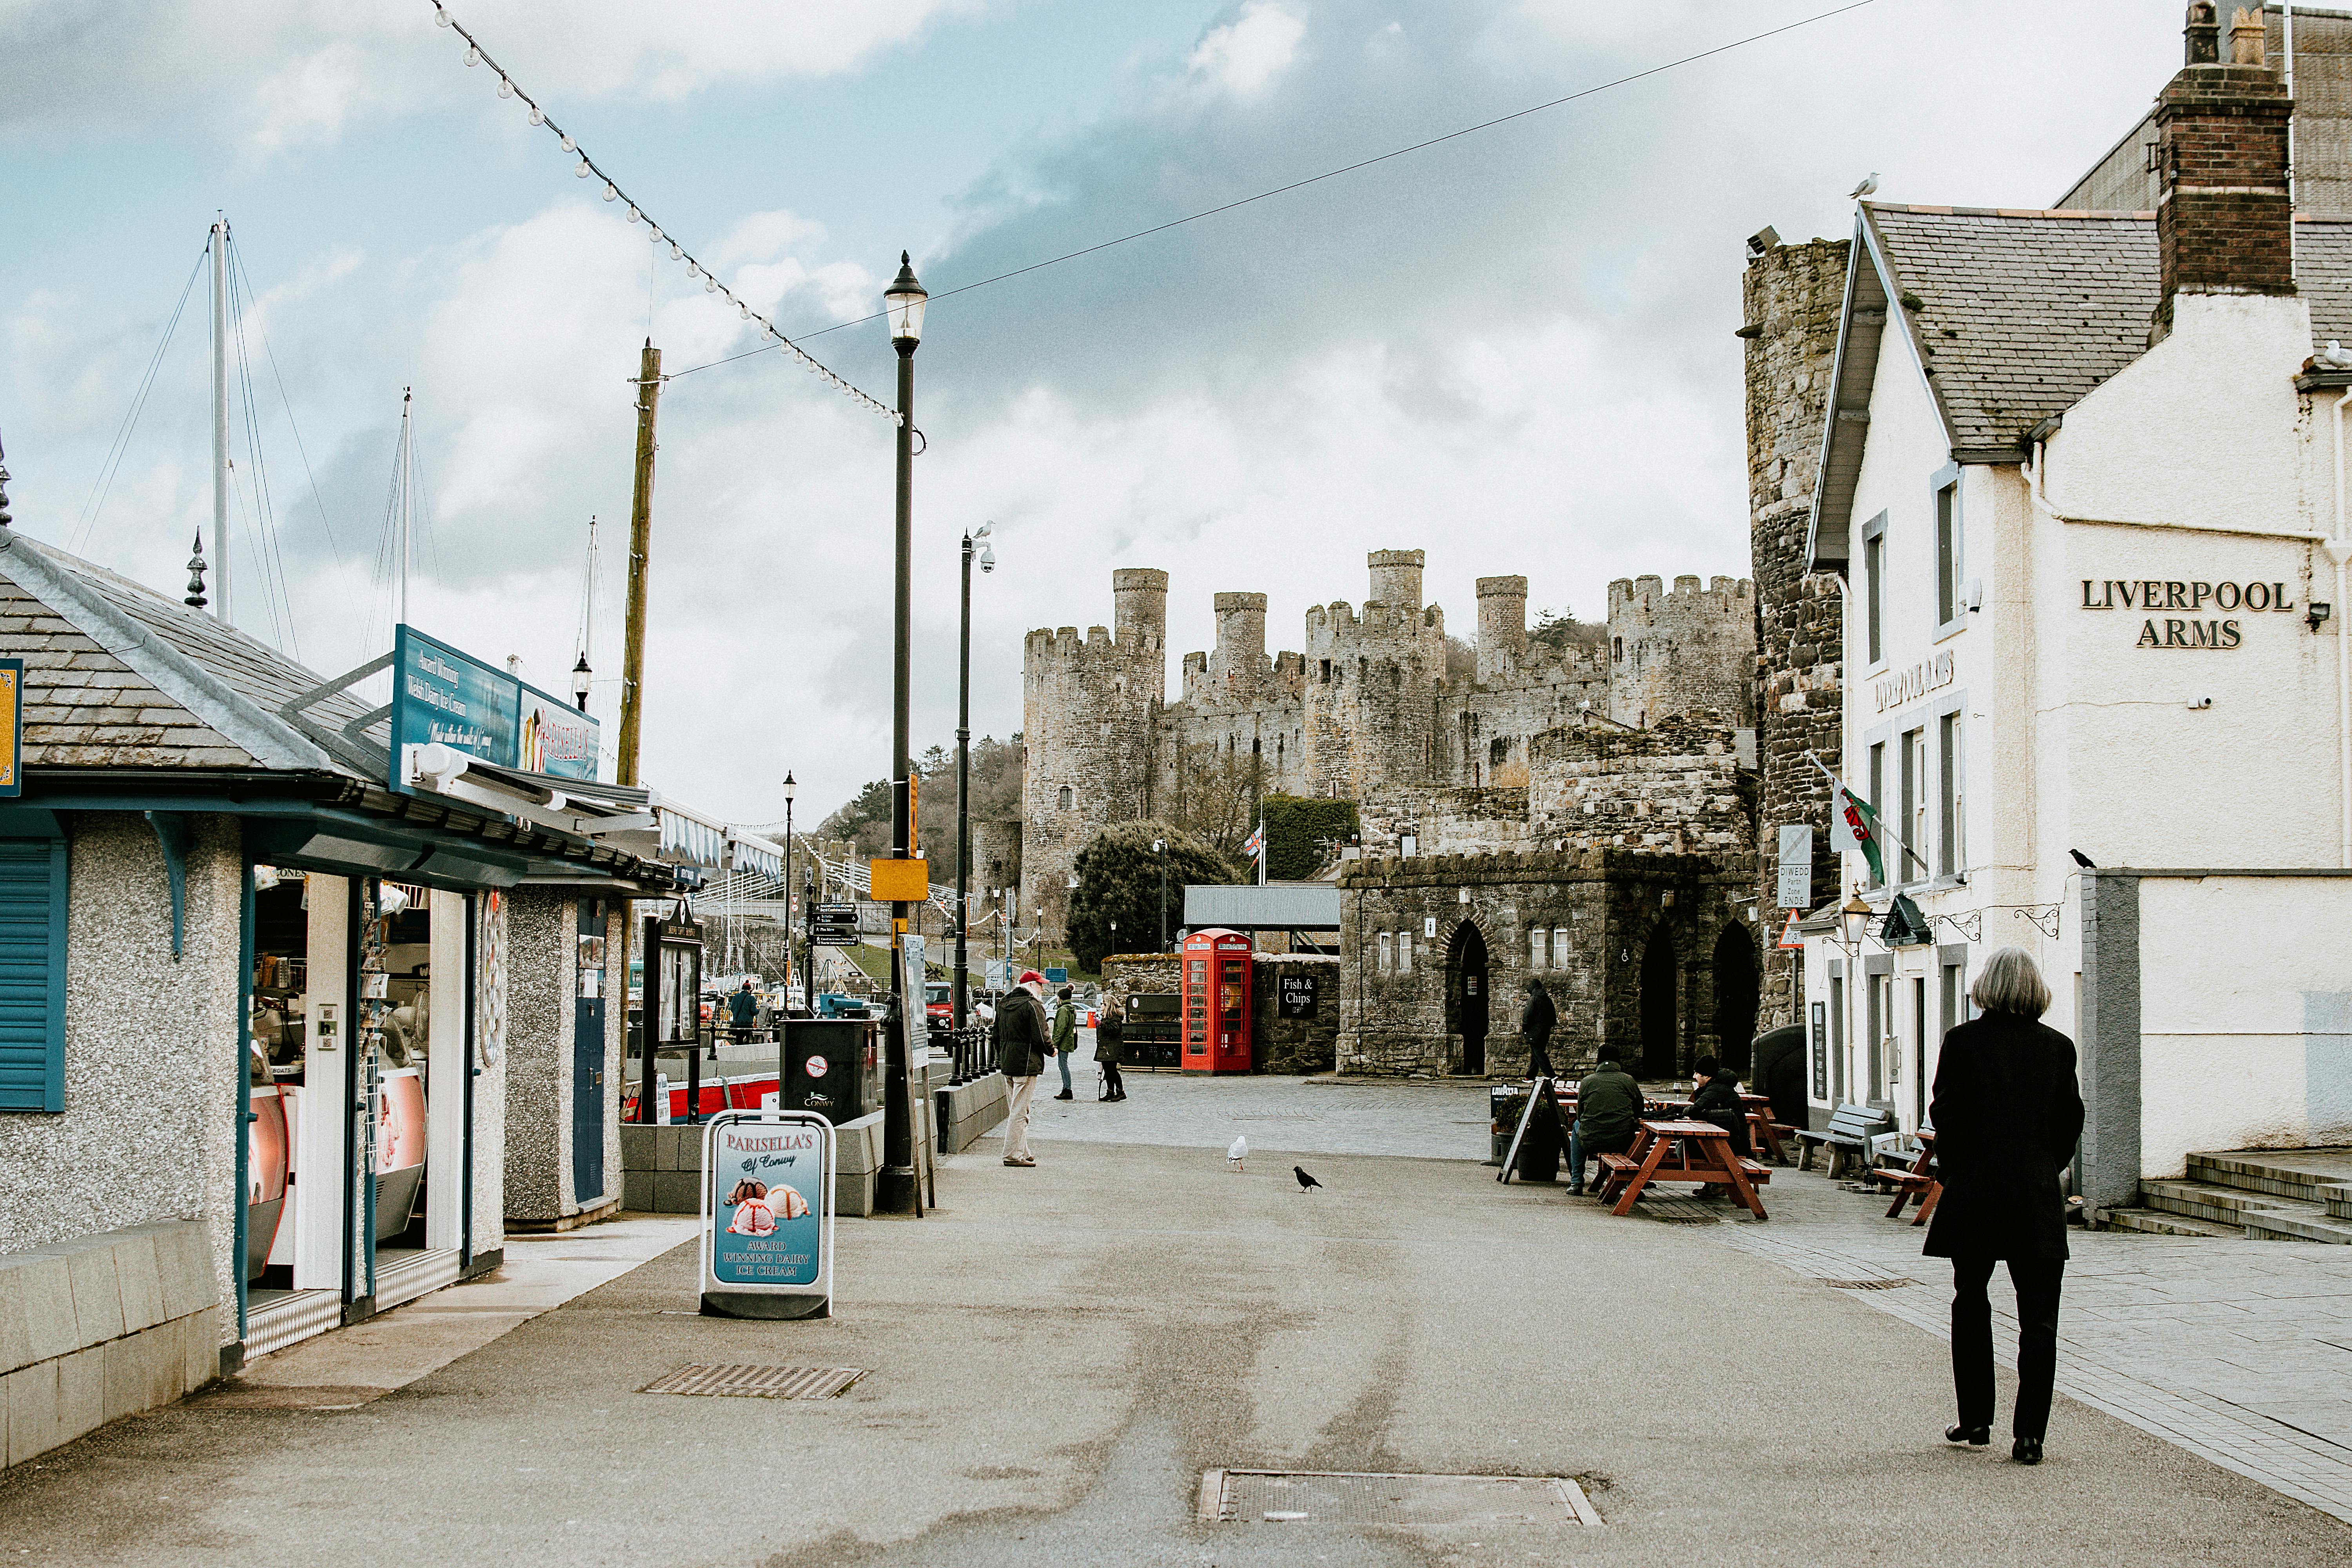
<point x="195" y="599"/>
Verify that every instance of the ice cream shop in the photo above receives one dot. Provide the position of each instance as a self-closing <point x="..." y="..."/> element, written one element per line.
<point x="271" y="948"/>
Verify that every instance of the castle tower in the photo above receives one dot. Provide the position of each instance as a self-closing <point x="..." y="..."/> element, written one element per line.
<point x="1681" y="652"/>
<point x="1088" y="708"/>
<point x="1239" y="662"/>
<point x="1792" y="294"/>
<point x="1502" y="627"/>
<point x="1396" y="578"/>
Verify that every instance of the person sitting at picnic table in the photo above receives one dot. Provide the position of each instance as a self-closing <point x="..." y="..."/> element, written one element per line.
<point x="1607" y="1106"/>
<point x="1717" y="1100"/>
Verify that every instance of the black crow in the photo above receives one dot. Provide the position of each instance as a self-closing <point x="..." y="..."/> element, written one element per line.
<point x="1304" y="1181"/>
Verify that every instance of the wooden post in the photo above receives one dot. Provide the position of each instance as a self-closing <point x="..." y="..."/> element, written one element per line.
<point x="641" y="510"/>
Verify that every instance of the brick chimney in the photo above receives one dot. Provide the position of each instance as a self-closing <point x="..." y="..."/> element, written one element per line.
<point x="2224" y="220"/>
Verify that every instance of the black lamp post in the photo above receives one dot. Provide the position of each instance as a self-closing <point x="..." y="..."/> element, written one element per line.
<point x="1160" y="847"/>
<point x="789" y="969"/>
<point x="963" y="787"/>
<point x="894" y="1188"/>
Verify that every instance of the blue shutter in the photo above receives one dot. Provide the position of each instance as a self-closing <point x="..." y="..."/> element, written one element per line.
<point x="32" y="973"/>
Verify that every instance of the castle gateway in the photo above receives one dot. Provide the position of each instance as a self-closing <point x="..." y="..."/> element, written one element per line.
<point x="1601" y="789"/>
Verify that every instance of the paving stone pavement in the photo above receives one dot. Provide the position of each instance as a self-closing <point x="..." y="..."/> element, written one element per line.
<point x="2239" y="1352"/>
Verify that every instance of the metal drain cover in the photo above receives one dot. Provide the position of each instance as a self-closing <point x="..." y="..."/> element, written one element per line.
<point x="1349" y="1497"/>
<point x="1868" y="1284"/>
<point x="757" y="1382"/>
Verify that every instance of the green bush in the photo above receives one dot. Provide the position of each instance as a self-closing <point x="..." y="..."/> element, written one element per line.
<point x="1292" y="825"/>
<point x="1119" y="880"/>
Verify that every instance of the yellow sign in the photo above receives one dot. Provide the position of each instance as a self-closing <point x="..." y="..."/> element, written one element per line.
<point x="901" y="881"/>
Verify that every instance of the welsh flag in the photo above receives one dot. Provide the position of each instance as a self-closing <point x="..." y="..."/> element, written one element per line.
<point x="1854" y="823"/>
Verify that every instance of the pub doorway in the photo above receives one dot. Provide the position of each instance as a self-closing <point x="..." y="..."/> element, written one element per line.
<point x="1661" y="979"/>
<point x="1466" y="984"/>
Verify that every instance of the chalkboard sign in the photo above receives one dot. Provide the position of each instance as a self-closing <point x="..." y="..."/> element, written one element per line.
<point x="1300" y="996"/>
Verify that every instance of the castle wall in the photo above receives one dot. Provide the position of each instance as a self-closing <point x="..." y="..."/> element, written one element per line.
<point x="1792" y="295"/>
<point x="1682" y="651"/>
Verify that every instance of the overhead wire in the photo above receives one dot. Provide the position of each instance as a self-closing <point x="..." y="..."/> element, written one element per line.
<point x="103" y="484"/>
<point x="588" y="168"/>
<point x="1326" y="174"/>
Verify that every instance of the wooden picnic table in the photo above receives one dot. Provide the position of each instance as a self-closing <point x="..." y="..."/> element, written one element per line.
<point x="1701" y="1152"/>
<point x="1919" y="1182"/>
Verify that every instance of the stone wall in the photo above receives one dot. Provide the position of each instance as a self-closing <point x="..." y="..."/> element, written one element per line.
<point x="1597" y="910"/>
<point x="1792" y="295"/>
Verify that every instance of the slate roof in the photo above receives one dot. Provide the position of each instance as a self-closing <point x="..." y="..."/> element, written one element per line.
<point x="117" y="676"/>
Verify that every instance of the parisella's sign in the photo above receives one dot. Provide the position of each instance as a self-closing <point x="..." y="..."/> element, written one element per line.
<point x="2200" y="627"/>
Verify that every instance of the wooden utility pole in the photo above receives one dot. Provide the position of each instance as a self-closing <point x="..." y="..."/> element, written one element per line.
<point x="641" y="520"/>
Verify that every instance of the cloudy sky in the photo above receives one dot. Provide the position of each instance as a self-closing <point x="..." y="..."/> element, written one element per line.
<point x="1514" y="351"/>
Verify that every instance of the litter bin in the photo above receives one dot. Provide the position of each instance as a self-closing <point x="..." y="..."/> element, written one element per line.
<point x="832" y="1067"/>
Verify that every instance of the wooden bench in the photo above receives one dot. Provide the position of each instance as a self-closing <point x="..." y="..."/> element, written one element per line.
<point x="1847" y="1137"/>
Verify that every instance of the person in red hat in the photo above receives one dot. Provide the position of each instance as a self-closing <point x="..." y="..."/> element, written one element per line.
<point x="1021" y="1053"/>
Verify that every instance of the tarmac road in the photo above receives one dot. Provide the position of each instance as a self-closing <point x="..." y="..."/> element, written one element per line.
<point x="1057" y="1355"/>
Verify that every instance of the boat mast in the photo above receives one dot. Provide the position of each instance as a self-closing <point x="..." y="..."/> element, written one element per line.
<point x="219" y="247"/>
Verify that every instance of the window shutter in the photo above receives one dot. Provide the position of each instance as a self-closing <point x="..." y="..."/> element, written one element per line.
<point x="32" y="973"/>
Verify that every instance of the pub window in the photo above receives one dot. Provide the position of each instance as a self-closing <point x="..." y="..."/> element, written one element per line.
<point x="1913" y="828"/>
<point x="1878" y="788"/>
<point x="1874" y="585"/>
<point x="1538" y="949"/>
<point x="1948" y="554"/>
<point x="1388" y="951"/>
<point x="1949" y="860"/>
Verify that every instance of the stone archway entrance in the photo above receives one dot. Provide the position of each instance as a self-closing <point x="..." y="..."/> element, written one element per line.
<point x="1467" y="984"/>
<point x="1734" y="997"/>
<point x="1661" y="985"/>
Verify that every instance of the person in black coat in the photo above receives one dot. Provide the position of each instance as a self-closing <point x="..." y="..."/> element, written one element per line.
<point x="2007" y="1114"/>
<point x="1535" y="1021"/>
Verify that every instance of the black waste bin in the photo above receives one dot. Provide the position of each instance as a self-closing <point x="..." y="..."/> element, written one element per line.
<point x="832" y="1067"/>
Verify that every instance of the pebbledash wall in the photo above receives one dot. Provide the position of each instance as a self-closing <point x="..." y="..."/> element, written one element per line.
<point x="1366" y="712"/>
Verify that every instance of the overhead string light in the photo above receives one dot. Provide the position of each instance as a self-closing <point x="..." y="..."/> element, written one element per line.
<point x="654" y="231"/>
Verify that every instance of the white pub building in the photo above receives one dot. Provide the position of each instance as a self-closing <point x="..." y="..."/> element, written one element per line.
<point x="2084" y="483"/>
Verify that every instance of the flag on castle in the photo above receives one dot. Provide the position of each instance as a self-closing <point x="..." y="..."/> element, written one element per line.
<point x="1854" y="823"/>
<point x="1255" y="847"/>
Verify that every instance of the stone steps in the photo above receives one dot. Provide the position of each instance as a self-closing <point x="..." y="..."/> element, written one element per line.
<point x="2286" y="1194"/>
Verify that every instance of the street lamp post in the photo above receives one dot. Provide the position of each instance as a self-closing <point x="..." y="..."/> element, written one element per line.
<point x="963" y="790"/>
<point x="789" y="969"/>
<point x="1160" y="847"/>
<point x="894" y="1188"/>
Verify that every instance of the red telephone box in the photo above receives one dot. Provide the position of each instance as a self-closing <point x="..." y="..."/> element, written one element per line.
<point x="1216" y="1001"/>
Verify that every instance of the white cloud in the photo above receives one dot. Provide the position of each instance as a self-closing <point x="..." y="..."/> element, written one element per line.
<point x="1245" y="56"/>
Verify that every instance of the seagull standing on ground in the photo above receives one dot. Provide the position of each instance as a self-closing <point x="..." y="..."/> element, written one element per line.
<point x="1867" y="188"/>
<point x="1237" y="1151"/>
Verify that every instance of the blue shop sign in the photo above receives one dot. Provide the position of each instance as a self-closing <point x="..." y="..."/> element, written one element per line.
<point x="439" y="694"/>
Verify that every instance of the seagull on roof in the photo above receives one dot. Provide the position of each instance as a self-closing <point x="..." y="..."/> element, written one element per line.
<point x="1868" y="187"/>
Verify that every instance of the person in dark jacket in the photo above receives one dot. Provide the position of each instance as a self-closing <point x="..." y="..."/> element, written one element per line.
<point x="1111" y="1050"/>
<point x="1608" y="1104"/>
<point x="2007" y="1114"/>
<point x="1536" y="1021"/>
<point x="1021" y="1052"/>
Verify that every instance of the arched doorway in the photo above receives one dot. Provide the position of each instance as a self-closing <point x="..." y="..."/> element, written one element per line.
<point x="1734" y="997"/>
<point x="1466" y="986"/>
<point x="1661" y="980"/>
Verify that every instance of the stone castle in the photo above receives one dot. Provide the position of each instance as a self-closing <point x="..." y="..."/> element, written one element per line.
<point x="1368" y="713"/>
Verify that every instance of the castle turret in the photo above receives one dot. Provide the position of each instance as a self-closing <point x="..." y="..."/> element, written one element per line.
<point x="1139" y="606"/>
<point x="1396" y="578"/>
<point x="1502" y="627"/>
<point x="1239" y="659"/>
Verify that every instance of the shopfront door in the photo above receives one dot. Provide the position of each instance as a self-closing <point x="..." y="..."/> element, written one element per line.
<point x="588" y="1086"/>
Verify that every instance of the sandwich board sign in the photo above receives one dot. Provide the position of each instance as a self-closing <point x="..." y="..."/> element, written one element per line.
<point x="766" y="1215"/>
